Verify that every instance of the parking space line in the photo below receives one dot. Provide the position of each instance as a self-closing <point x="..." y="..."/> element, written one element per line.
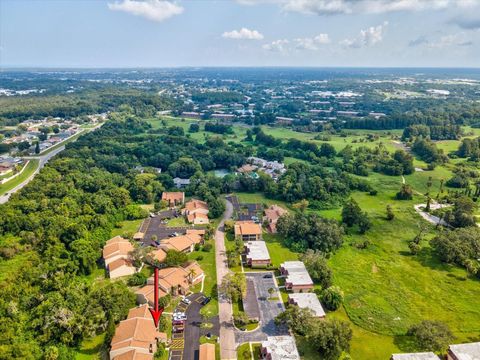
<point x="177" y="344"/>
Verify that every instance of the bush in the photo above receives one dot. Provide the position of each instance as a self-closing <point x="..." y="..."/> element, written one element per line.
<point x="405" y="193"/>
<point x="207" y="247"/>
<point x="137" y="279"/>
<point x="332" y="297"/>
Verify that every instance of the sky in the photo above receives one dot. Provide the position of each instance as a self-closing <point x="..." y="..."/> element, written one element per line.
<point x="177" y="33"/>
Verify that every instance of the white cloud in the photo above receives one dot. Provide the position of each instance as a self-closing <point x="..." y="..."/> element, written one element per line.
<point x="277" y="45"/>
<point x="313" y="42"/>
<point x="332" y="7"/>
<point x="368" y="37"/>
<point x="155" y="10"/>
<point x="445" y="41"/>
<point x="449" y="41"/>
<point x="243" y="34"/>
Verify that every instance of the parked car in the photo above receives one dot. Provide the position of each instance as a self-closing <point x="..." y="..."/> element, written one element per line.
<point x="186" y="301"/>
<point x="268" y="276"/>
<point x="206" y="300"/>
<point x="178" y="322"/>
<point x="180" y="317"/>
<point x="178" y="329"/>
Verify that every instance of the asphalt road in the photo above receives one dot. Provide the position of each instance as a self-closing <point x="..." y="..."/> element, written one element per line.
<point x="42" y="161"/>
<point x="227" y="334"/>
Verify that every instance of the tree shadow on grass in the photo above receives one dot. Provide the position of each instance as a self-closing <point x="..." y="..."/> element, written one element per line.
<point x="405" y="343"/>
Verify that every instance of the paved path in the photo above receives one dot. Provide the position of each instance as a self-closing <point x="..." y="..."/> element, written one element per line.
<point x="227" y="334"/>
<point x="429" y="217"/>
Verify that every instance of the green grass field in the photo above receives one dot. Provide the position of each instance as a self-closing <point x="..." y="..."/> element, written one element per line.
<point x="354" y="138"/>
<point x="277" y="250"/>
<point x="29" y="170"/>
<point x="90" y="348"/>
<point x="127" y="227"/>
<point x="387" y="290"/>
<point x="244" y="353"/>
<point x="206" y="260"/>
<point x="179" y="221"/>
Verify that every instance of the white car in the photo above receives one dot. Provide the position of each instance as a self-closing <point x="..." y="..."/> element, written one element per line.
<point x="180" y="317"/>
<point x="186" y="301"/>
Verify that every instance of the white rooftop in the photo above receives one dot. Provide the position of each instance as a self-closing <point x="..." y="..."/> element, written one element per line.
<point x="297" y="273"/>
<point x="469" y="351"/>
<point x="415" y="356"/>
<point x="281" y="348"/>
<point x="308" y="301"/>
<point x="257" y="250"/>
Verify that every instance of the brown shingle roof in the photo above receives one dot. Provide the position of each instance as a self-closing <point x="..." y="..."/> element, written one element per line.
<point x="117" y="248"/>
<point x="196" y="204"/>
<point x="138" y="331"/>
<point x="114" y="265"/>
<point x="133" y="355"/>
<point x="181" y="243"/>
<point x="173" y="196"/>
<point x="247" y="228"/>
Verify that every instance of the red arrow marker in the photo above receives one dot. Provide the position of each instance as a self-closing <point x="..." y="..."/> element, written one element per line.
<point x="156" y="312"/>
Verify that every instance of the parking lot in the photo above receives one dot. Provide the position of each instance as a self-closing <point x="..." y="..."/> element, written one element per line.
<point x="245" y="211"/>
<point x="193" y="330"/>
<point x="156" y="226"/>
<point x="269" y="309"/>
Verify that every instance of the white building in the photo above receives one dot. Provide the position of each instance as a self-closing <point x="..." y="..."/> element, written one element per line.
<point x="256" y="253"/>
<point x="307" y="301"/>
<point x="415" y="356"/>
<point x="470" y="351"/>
<point x="279" y="348"/>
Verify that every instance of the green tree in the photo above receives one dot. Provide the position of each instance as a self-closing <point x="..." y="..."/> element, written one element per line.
<point x="431" y="335"/>
<point x="317" y="267"/>
<point x="175" y="258"/>
<point x="405" y="193"/>
<point x="234" y="286"/>
<point x="332" y="297"/>
<point x="351" y="213"/>
<point x="330" y="338"/>
<point x="299" y="320"/>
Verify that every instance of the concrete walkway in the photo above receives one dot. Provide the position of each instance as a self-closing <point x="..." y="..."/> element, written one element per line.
<point x="227" y="331"/>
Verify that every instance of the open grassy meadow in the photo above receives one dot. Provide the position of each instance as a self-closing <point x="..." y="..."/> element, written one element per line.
<point x="386" y="289"/>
